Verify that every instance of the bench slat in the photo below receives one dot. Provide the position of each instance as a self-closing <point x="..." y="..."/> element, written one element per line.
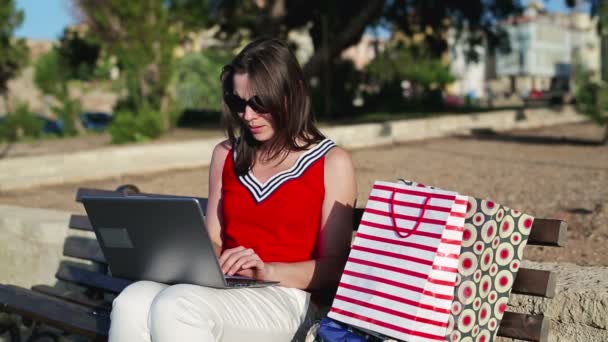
<point x="93" y="279"/>
<point x="80" y="222"/>
<point x="108" y="193"/>
<point x="96" y="192"/>
<point x="548" y="232"/>
<point x="545" y="232"/>
<point x="528" y="281"/>
<point x="524" y="327"/>
<point x="83" y="248"/>
<point x="67" y="316"/>
<point x="535" y="283"/>
<point x="77" y="298"/>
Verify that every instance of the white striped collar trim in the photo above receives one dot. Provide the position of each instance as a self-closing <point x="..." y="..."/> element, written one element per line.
<point x="261" y="191"/>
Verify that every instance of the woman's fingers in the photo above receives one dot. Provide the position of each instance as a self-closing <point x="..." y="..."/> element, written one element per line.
<point x="228" y="252"/>
<point x="256" y="263"/>
<point x="227" y="255"/>
<point x="233" y="257"/>
<point x="242" y="261"/>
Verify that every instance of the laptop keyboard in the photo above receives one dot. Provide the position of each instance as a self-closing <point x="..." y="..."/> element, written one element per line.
<point x="237" y="282"/>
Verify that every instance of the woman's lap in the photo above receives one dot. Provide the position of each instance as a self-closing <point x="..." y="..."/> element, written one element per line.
<point x="191" y="312"/>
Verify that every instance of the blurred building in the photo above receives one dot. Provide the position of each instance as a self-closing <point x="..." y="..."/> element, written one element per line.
<point x="470" y="73"/>
<point x="545" y="47"/>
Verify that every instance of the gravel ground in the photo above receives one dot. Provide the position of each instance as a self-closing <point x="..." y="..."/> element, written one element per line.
<point x="554" y="172"/>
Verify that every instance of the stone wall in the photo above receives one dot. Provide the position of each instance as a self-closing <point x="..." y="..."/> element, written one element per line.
<point x="29" y="172"/>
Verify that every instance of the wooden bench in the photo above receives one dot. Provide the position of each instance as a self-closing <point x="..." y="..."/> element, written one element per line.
<point x="87" y="313"/>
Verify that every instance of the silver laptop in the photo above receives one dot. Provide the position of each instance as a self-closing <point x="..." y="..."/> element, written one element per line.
<point x="163" y="239"/>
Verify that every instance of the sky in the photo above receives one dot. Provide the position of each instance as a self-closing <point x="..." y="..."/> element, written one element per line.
<point x="555" y="5"/>
<point x="46" y="19"/>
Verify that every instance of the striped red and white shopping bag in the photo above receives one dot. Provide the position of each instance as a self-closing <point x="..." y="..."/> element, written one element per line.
<point x="400" y="276"/>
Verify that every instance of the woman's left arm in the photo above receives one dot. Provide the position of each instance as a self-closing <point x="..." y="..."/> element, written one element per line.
<point x="335" y="236"/>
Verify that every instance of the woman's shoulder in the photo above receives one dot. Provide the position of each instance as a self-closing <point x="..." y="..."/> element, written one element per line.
<point x="338" y="159"/>
<point x="222" y="148"/>
<point x="220" y="151"/>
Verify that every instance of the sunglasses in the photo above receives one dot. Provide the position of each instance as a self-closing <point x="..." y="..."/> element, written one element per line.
<point x="238" y="105"/>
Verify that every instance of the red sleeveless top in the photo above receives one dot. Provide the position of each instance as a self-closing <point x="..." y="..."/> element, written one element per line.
<point x="279" y="219"/>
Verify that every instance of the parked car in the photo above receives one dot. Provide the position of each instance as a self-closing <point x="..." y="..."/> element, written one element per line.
<point x="51" y="126"/>
<point x="97" y="121"/>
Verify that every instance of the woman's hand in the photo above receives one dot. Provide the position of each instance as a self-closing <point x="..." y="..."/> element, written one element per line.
<point x="244" y="262"/>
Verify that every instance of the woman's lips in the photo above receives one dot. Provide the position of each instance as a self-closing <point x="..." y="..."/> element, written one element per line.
<point x="256" y="129"/>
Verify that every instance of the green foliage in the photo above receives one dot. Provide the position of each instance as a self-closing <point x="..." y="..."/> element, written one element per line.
<point x="193" y="14"/>
<point x="591" y="96"/>
<point x="427" y="75"/>
<point x="20" y="124"/>
<point x="141" y="36"/>
<point x="136" y="127"/>
<point x="104" y="68"/>
<point x="78" y="55"/>
<point x="196" y="80"/>
<point x="69" y="113"/>
<point x="14" y="54"/>
<point x="407" y="63"/>
<point x="50" y="74"/>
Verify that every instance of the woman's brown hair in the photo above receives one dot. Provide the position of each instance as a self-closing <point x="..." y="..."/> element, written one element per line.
<point x="277" y="80"/>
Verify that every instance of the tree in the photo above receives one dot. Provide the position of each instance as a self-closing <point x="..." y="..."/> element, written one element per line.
<point x="14" y="54"/>
<point x="78" y="54"/>
<point x="51" y="75"/>
<point x="336" y="25"/>
<point x="142" y="36"/>
<point x="195" y="80"/>
<point x="345" y="21"/>
<point x="592" y="97"/>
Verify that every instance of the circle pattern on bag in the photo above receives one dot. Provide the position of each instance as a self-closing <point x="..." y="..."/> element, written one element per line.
<point x="489" y="230"/>
<point x="469" y="235"/>
<point x="489" y="207"/>
<point x="466" y="321"/>
<point x="478" y="219"/>
<point x="467" y="292"/>
<point x="493" y="324"/>
<point x="467" y="264"/>
<point x="484" y="336"/>
<point x="506" y="227"/>
<point x="493" y="245"/>
<point x="477" y="276"/>
<point x="478" y="247"/>
<point x="486" y="259"/>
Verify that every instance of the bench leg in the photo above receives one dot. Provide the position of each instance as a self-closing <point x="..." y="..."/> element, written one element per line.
<point x="12" y="328"/>
<point x="43" y="335"/>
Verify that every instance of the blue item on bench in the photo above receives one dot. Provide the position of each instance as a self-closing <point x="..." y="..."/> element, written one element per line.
<point x="334" y="331"/>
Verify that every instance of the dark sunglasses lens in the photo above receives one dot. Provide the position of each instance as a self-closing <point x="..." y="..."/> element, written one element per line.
<point x="235" y="103"/>
<point x="256" y="104"/>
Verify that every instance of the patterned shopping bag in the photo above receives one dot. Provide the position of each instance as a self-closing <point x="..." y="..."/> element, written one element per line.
<point x="492" y="249"/>
<point x="400" y="276"/>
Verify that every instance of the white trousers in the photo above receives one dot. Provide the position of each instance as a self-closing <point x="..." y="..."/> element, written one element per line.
<point x="149" y="311"/>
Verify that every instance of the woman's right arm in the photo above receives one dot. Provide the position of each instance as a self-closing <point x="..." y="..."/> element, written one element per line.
<point x="214" y="200"/>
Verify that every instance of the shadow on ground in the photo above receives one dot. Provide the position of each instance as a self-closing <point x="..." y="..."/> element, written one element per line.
<point x="489" y="134"/>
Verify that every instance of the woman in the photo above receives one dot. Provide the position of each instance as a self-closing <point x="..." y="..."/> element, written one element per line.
<point x="280" y="209"/>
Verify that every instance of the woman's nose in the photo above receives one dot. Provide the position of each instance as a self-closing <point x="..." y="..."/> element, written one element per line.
<point x="249" y="114"/>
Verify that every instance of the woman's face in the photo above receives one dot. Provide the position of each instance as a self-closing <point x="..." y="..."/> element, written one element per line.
<point x="261" y="125"/>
